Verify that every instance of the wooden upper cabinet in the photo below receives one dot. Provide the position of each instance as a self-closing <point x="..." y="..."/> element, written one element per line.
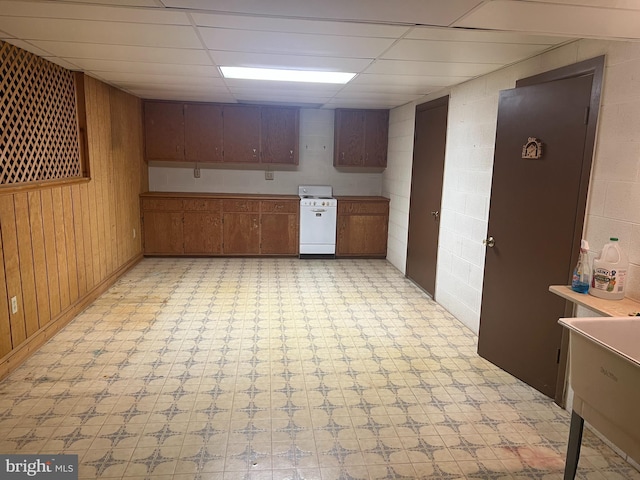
<point x="349" y="138"/>
<point x="279" y="135"/>
<point x="203" y="132"/>
<point x="164" y="131"/>
<point x="241" y="134"/>
<point x="361" y="138"/>
<point x="376" y="135"/>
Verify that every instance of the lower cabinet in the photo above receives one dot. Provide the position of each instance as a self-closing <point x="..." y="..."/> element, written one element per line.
<point x="214" y="226"/>
<point x="241" y="227"/>
<point x="362" y="228"/>
<point x="175" y="225"/>
<point x="279" y="227"/>
<point x="162" y="226"/>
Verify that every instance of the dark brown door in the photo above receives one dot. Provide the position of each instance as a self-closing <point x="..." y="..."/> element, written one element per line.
<point x="279" y="135"/>
<point x="426" y="192"/>
<point x="241" y="134"/>
<point x="202" y="133"/>
<point x="532" y="219"/>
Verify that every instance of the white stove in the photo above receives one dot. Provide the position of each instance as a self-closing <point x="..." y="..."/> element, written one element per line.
<point x="318" y="219"/>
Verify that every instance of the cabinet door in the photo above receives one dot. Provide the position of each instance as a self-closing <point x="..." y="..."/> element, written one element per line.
<point x="202" y="232"/>
<point x="202" y="133"/>
<point x="362" y="235"/>
<point x="279" y="135"/>
<point x="376" y="128"/>
<point x="164" y="131"/>
<point x="241" y="233"/>
<point x="279" y="234"/>
<point x="241" y="132"/>
<point x="163" y="233"/>
<point x="349" y="138"/>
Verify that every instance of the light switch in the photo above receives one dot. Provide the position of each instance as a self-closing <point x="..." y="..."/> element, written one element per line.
<point x="14" y="305"/>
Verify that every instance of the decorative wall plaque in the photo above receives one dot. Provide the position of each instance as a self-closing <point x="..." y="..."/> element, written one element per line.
<point x="532" y="149"/>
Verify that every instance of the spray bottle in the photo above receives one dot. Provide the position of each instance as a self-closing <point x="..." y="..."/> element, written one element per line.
<point x="582" y="272"/>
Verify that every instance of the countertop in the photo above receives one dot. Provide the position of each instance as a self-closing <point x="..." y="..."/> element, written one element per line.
<point x="607" y="308"/>
<point x="256" y="196"/>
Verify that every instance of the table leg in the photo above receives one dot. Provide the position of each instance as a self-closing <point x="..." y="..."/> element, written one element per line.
<point x="573" y="448"/>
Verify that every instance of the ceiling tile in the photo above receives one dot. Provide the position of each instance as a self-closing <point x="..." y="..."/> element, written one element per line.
<point x="180" y="56"/>
<point x="397" y="89"/>
<point x="146" y="68"/>
<point x="245" y="59"/>
<point x="405" y="67"/>
<point x="236" y="85"/>
<point x="293" y="43"/>
<point x="487" y="36"/>
<point x="626" y="4"/>
<point x="100" y="32"/>
<point x="546" y="18"/>
<point x="413" y="80"/>
<point x="27" y="46"/>
<point x="427" y="12"/>
<point x="433" y="51"/>
<point x="289" y="25"/>
<point x="130" y="3"/>
<point x="183" y="96"/>
<point x="186" y="81"/>
<point x="77" y="11"/>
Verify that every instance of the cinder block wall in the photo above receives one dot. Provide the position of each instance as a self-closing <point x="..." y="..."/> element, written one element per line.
<point x="614" y="194"/>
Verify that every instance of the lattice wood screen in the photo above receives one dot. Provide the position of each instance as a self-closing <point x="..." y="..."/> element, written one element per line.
<point x="38" y="119"/>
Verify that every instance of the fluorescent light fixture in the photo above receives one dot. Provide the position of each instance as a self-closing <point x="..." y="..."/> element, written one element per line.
<point x="284" y="75"/>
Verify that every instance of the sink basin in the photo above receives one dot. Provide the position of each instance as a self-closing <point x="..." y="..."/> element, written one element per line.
<point x="604" y="372"/>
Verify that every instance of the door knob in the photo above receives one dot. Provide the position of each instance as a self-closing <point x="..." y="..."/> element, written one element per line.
<point x="489" y="242"/>
<point x="435" y="214"/>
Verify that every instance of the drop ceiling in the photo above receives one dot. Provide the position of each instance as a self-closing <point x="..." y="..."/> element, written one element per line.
<point x="401" y="51"/>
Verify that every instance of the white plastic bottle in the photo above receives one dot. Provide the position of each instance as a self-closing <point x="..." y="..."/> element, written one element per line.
<point x="609" y="272"/>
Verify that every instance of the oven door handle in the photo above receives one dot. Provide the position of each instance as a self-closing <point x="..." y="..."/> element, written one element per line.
<point x="318" y="210"/>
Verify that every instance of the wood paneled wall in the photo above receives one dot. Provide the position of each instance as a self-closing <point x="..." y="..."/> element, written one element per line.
<point x="61" y="246"/>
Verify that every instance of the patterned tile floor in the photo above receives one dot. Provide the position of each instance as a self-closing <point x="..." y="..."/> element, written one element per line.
<point x="281" y="369"/>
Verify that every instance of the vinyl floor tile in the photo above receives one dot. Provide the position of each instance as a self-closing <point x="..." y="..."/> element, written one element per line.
<point x="265" y="368"/>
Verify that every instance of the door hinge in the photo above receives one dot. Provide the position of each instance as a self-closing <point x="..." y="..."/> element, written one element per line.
<point x="586" y="115"/>
<point x="558" y="359"/>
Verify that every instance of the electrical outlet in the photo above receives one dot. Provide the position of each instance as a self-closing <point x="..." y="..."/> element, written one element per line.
<point x="268" y="175"/>
<point x="196" y="172"/>
<point x="134" y="233"/>
<point x="14" y="305"/>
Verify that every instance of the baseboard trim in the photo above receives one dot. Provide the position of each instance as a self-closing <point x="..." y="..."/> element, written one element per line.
<point x="19" y="355"/>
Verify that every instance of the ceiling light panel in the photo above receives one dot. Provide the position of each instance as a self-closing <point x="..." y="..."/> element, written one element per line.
<point x="286" y="75"/>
